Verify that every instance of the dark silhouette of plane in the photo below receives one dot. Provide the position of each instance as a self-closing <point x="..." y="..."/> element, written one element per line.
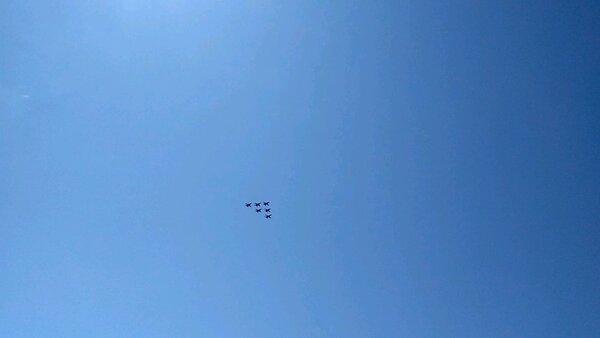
<point x="257" y="204"/>
<point x="268" y="216"/>
<point x="266" y="203"/>
<point x="268" y="209"/>
<point x="258" y="210"/>
<point x="248" y="205"/>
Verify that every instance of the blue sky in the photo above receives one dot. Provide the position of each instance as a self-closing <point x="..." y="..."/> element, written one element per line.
<point x="432" y="166"/>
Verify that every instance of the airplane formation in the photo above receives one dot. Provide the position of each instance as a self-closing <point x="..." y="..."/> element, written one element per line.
<point x="260" y="206"/>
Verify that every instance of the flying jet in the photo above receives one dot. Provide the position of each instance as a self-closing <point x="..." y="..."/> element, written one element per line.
<point x="268" y="210"/>
<point x="268" y="216"/>
<point x="258" y="210"/>
<point x="266" y="203"/>
<point x="257" y="204"/>
<point x="248" y="205"/>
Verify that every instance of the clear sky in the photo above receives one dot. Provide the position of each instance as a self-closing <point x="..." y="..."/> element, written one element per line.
<point x="433" y="168"/>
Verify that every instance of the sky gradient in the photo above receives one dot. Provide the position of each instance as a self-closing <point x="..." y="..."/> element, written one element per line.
<point x="432" y="166"/>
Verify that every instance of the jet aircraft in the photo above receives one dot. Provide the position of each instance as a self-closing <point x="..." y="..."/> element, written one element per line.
<point x="258" y="210"/>
<point x="266" y="203"/>
<point x="248" y="205"/>
<point x="268" y="210"/>
<point x="257" y="204"/>
<point x="268" y="216"/>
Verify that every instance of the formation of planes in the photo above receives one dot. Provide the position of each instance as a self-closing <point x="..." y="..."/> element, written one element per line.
<point x="260" y="206"/>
